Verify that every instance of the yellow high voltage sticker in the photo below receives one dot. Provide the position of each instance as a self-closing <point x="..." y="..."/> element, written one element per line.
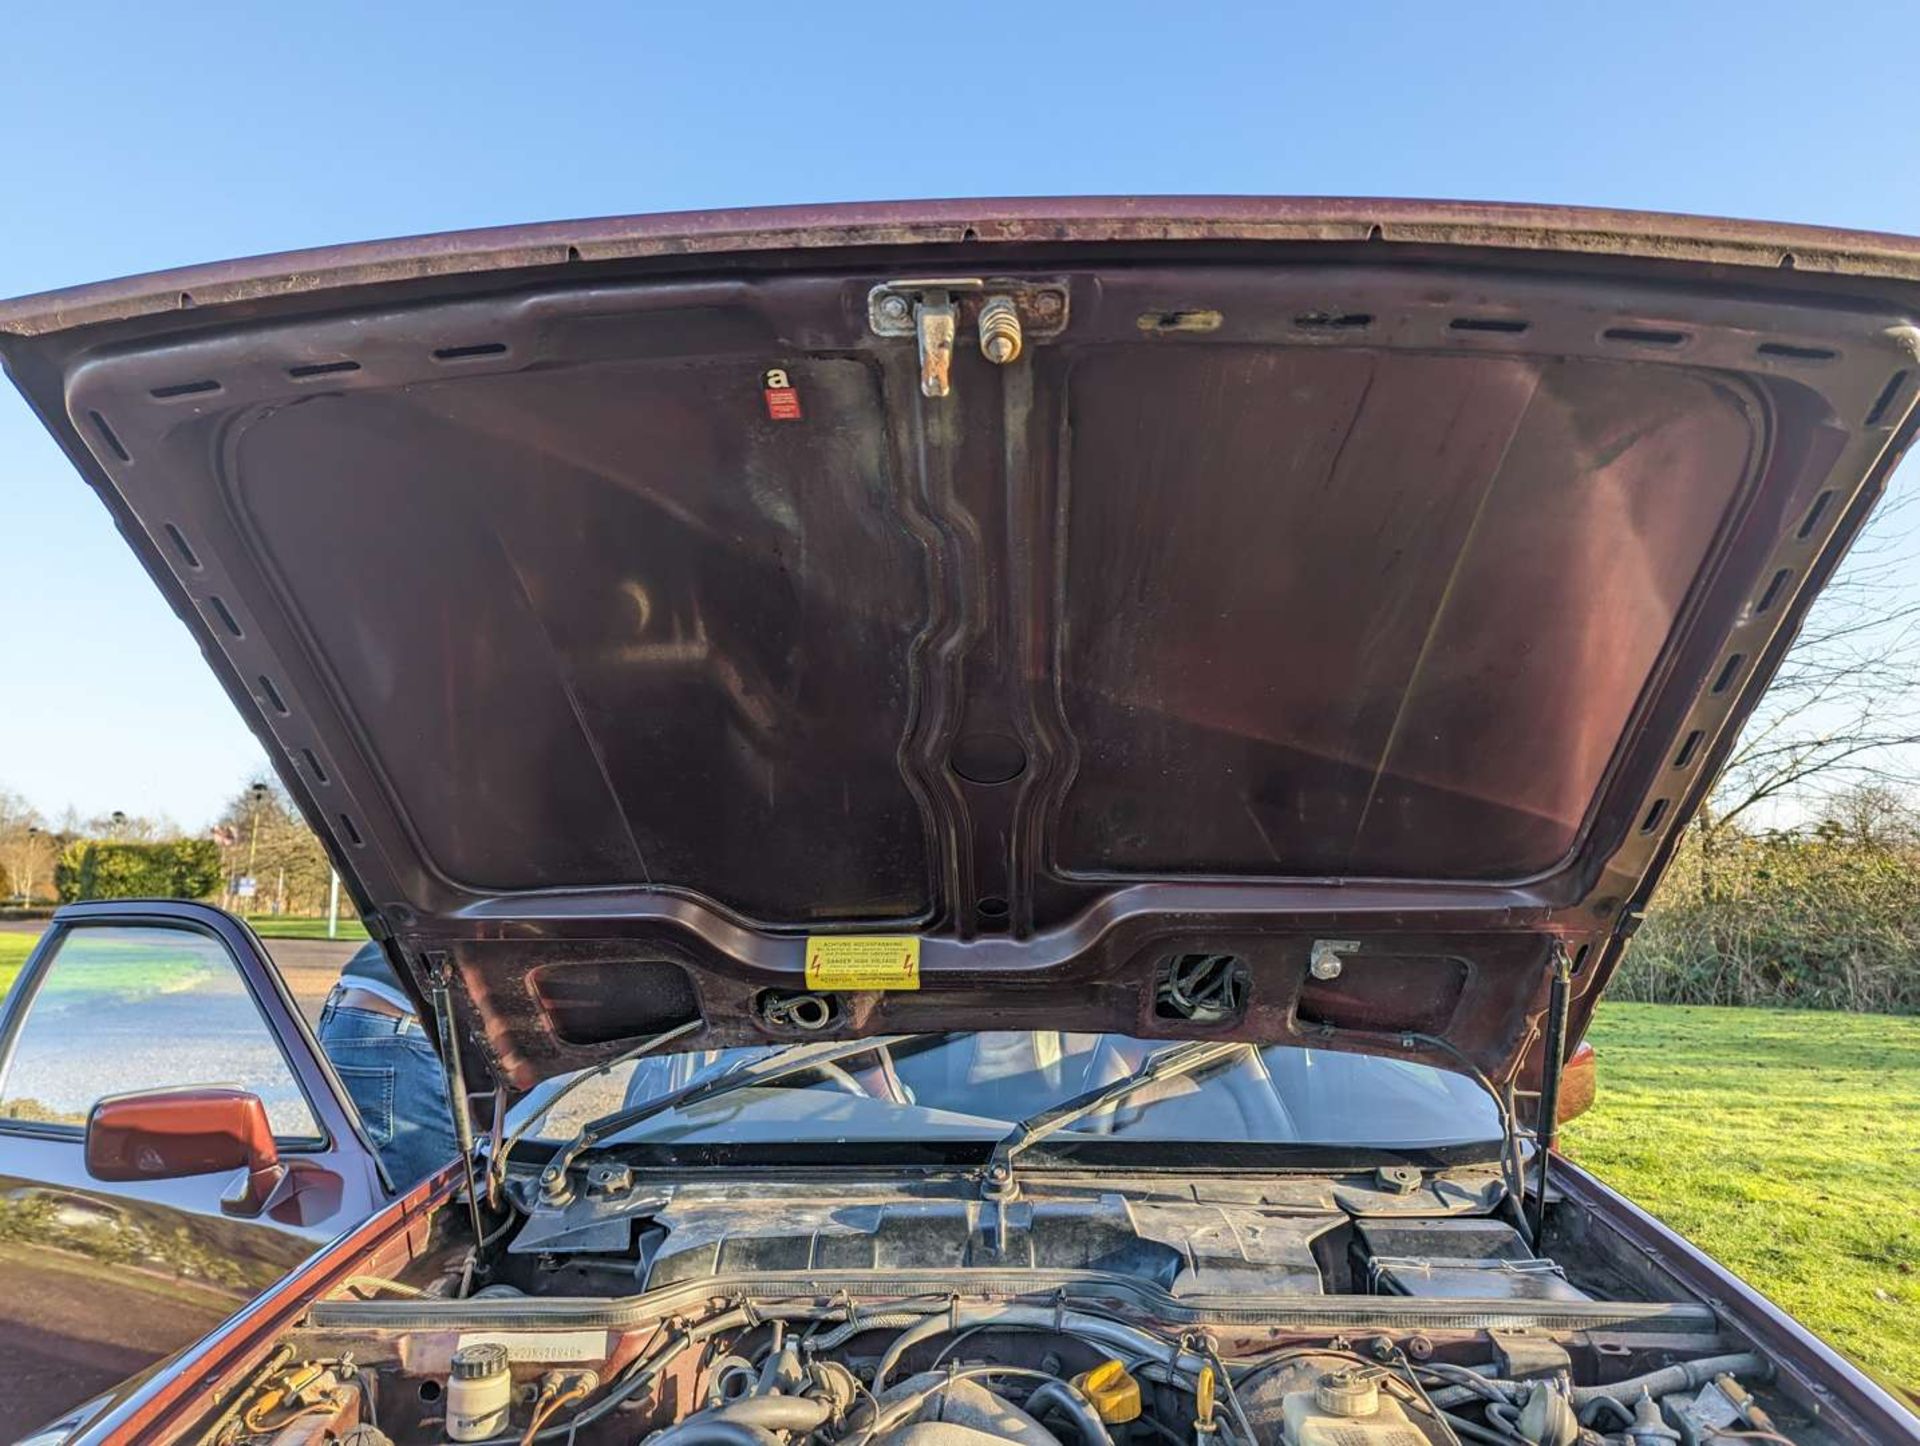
<point x="863" y="961"/>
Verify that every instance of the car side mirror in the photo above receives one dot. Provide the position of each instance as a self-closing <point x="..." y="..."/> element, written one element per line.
<point x="196" y="1130"/>
<point x="1579" y="1081"/>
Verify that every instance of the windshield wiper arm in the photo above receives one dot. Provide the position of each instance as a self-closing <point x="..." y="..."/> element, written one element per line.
<point x="1174" y="1063"/>
<point x="497" y="1169"/>
<point x="782" y="1064"/>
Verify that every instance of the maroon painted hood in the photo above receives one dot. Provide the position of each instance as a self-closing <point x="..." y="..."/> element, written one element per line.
<point x="624" y="613"/>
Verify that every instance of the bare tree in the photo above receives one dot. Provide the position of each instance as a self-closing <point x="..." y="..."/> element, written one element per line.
<point x="263" y="837"/>
<point x="1843" y="711"/>
<point x="122" y="827"/>
<point x="27" y="849"/>
<point x="1872" y="816"/>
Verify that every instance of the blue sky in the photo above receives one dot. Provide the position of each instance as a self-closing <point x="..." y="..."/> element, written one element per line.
<point x="140" y="137"/>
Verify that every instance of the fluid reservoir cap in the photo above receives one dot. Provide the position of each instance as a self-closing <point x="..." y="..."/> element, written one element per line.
<point x="1347" y="1393"/>
<point x="1115" y="1394"/>
<point x="475" y="1362"/>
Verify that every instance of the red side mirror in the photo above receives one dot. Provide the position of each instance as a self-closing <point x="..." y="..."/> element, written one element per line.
<point x="196" y="1130"/>
<point x="1579" y="1080"/>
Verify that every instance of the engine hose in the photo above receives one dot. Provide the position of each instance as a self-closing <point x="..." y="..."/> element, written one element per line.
<point x="1589" y="1414"/>
<point x="1447" y="1397"/>
<point x="704" y="1430"/>
<point x="1075" y="1407"/>
<point x="1123" y="1339"/>
<point x="889" y="1321"/>
<point x="1466" y="1429"/>
<point x="1687" y="1375"/>
<point x="771" y="1413"/>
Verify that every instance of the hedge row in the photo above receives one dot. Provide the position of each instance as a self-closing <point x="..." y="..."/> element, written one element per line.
<point x="1808" y="922"/>
<point x="187" y="868"/>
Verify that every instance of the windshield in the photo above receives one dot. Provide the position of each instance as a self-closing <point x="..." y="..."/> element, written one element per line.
<point x="977" y="1086"/>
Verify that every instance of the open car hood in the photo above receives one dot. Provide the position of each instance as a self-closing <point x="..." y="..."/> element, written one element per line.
<point x="1365" y="592"/>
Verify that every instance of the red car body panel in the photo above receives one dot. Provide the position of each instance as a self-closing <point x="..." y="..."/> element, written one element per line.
<point x="174" y="1397"/>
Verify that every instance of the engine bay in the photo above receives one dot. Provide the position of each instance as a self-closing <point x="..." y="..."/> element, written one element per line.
<point x="737" y="1309"/>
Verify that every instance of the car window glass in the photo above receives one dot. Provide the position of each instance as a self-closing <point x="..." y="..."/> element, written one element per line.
<point x="131" y="1008"/>
<point x="978" y="1085"/>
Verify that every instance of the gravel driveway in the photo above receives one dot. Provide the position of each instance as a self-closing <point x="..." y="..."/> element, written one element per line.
<point x="310" y="967"/>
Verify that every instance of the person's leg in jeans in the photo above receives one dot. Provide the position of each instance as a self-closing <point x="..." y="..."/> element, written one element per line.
<point x="394" y="1079"/>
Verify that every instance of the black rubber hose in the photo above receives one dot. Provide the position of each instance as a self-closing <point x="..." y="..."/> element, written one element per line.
<point x="704" y="1430"/>
<point x="1075" y="1407"/>
<point x="772" y="1413"/>
<point x="1687" y="1376"/>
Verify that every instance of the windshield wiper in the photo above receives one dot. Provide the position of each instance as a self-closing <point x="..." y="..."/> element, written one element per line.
<point x="497" y="1168"/>
<point x="1175" y="1063"/>
<point x="795" y="1059"/>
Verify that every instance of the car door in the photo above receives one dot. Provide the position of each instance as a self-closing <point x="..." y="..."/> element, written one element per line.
<point x="99" y="1279"/>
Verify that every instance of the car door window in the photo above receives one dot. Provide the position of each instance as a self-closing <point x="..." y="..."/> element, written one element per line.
<point x="124" y="1008"/>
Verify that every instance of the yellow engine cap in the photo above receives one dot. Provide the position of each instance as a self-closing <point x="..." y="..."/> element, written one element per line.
<point x="1115" y="1394"/>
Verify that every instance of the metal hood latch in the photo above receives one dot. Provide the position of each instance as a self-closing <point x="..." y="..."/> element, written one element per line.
<point x="1005" y="315"/>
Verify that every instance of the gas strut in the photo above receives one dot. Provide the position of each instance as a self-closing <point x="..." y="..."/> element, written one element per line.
<point x="1546" y="1125"/>
<point x="441" y="997"/>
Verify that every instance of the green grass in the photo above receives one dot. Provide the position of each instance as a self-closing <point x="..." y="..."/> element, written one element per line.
<point x="269" y="926"/>
<point x="14" y="949"/>
<point x="104" y="964"/>
<point x="1783" y="1143"/>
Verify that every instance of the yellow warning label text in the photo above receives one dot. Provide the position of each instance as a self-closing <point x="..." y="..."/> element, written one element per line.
<point x="863" y="961"/>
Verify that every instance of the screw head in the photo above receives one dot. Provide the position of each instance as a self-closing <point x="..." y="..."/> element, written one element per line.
<point x="893" y="308"/>
<point x="1047" y="303"/>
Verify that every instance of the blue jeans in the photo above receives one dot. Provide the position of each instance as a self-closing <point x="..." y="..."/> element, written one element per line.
<point x="394" y="1079"/>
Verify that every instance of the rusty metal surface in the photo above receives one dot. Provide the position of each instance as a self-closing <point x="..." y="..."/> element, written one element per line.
<point x="1288" y="585"/>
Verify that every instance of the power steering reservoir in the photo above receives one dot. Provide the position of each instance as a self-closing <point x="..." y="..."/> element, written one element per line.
<point x="479" y="1392"/>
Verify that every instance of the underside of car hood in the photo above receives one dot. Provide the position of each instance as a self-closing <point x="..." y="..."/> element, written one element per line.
<point x="1290" y="620"/>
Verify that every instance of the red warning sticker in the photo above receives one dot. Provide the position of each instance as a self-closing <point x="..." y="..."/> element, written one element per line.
<point x="783" y="401"/>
